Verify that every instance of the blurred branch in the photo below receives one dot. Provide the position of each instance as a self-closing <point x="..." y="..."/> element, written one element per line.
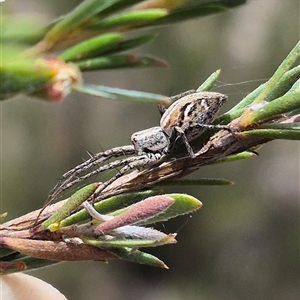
<point x="48" y="62"/>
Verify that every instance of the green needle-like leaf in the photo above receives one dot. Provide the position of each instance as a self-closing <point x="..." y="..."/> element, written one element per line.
<point x="131" y="18"/>
<point x="138" y="257"/>
<point x="185" y="13"/>
<point x="277" y="107"/>
<point x="73" y="202"/>
<point x="278" y="131"/>
<point x="92" y="47"/>
<point x="81" y="13"/>
<point x="209" y="83"/>
<point x="118" y="61"/>
<point x="131" y="43"/>
<point x="282" y="86"/>
<point x="131" y="243"/>
<point x="284" y="67"/>
<point x="119" y="94"/>
<point x="230" y="158"/>
<point x="183" y="204"/>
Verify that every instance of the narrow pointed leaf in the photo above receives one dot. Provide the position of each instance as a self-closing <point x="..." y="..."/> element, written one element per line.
<point x="284" y="67"/>
<point x="131" y="43"/>
<point x="118" y="61"/>
<point x="92" y="47"/>
<point x="230" y="158"/>
<point x="209" y="83"/>
<point x="183" y="204"/>
<point x="131" y="243"/>
<point x="280" y="131"/>
<point x="73" y="202"/>
<point x="119" y="94"/>
<point x="277" y="107"/>
<point x="139" y="257"/>
<point x="285" y="84"/>
<point x="81" y="13"/>
<point x="131" y="18"/>
<point x="189" y="12"/>
<point x="282" y="86"/>
<point x="238" y="109"/>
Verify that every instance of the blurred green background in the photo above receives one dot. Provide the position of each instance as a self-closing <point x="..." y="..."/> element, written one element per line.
<point x="244" y="242"/>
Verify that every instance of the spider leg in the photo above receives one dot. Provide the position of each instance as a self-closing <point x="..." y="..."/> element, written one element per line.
<point x="64" y="182"/>
<point x="179" y="96"/>
<point x="180" y="133"/>
<point x="131" y="163"/>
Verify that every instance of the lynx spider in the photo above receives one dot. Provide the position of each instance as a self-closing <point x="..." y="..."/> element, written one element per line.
<point x="189" y="115"/>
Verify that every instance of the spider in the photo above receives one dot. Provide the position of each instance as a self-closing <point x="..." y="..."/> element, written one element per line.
<point x="190" y="114"/>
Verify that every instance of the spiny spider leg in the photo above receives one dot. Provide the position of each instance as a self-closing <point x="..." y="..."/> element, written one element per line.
<point x="93" y="161"/>
<point x="183" y="137"/>
<point x="99" y="158"/>
<point x="136" y="163"/>
<point x="181" y="95"/>
<point x="112" y="165"/>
